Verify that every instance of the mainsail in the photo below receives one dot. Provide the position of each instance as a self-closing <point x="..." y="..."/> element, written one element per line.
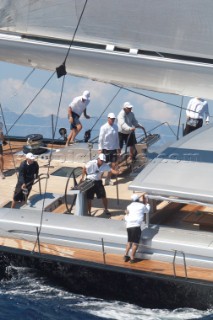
<point x="163" y="46"/>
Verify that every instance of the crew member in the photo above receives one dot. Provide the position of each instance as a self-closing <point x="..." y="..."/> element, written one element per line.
<point x="28" y="172"/>
<point x="75" y="110"/>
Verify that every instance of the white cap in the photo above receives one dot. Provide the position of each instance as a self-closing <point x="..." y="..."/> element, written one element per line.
<point x="111" y="115"/>
<point x="30" y="156"/>
<point x="86" y="95"/>
<point x="127" y="105"/>
<point x="134" y="197"/>
<point x="102" y="157"/>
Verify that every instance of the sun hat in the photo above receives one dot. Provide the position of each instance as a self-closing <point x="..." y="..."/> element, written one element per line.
<point x="30" y="156"/>
<point x="102" y="157"/>
<point x="134" y="197"/>
<point x="111" y="115"/>
<point x="86" y="95"/>
<point x="127" y="105"/>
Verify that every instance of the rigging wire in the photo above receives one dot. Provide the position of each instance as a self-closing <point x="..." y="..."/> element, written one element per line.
<point x="144" y="95"/>
<point x="76" y="29"/>
<point x="29" y="104"/>
<point x="23" y="82"/>
<point x="113" y="98"/>
<point x="57" y="116"/>
<point x="3" y="118"/>
<point x="48" y="168"/>
<point x="156" y="99"/>
<point x="180" y="117"/>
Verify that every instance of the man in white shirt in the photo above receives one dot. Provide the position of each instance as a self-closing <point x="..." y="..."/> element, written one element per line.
<point x="1" y="152"/>
<point x="197" y="109"/>
<point x="75" y="110"/>
<point x="134" y="218"/>
<point x="94" y="170"/>
<point x="109" y="143"/>
<point x="127" y="124"/>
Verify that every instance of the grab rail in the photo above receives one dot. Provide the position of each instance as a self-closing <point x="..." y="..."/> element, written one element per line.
<point x="184" y="261"/>
<point x="38" y="180"/>
<point x="45" y="176"/>
<point x="74" y="175"/>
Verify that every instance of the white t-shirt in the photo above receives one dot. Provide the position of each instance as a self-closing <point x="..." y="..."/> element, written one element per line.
<point x="78" y="106"/>
<point x="94" y="172"/>
<point x="135" y="215"/>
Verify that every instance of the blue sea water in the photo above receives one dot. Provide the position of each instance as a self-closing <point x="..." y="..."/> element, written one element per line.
<point x="29" y="296"/>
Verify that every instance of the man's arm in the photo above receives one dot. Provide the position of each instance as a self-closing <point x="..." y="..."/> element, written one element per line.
<point x="21" y="177"/>
<point x="85" y="114"/>
<point x="117" y="141"/>
<point x="207" y="112"/>
<point x="115" y="172"/>
<point x="37" y="169"/>
<point x="1" y="136"/>
<point x="69" y="113"/>
<point x="84" y="173"/>
<point x="101" y="139"/>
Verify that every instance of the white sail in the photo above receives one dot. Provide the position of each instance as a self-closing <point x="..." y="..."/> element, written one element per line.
<point x="158" y="45"/>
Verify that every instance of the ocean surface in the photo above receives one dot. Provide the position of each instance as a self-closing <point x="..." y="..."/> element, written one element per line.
<point x="28" y="295"/>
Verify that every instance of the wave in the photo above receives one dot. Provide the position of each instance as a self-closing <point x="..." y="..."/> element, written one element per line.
<point x="31" y="296"/>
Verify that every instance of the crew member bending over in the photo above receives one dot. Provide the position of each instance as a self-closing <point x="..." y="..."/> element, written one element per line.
<point x="94" y="170"/>
<point x="75" y="110"/>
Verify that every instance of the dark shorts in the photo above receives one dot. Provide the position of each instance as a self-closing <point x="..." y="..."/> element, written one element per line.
<point x="97" y="189"/>
<point x="76" y="121"/>
<point x="189" y="128"/>
<point x="111" y="155"/>
<point x="129" y="139"/>
<point x="134" y="234"/>
<point x="1" y="149"/>
<point x="19" y="196"/>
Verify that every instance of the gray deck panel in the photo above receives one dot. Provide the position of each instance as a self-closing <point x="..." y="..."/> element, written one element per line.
<point x="184" y="170"/>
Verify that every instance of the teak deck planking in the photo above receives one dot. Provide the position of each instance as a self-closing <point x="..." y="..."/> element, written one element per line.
<point x="151" y="266"/>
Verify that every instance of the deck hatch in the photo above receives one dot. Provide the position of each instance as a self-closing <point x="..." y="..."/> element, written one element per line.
<point x="66" y="171"/>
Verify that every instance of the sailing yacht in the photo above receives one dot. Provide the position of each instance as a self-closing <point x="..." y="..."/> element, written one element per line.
<point x="162" y="46"/>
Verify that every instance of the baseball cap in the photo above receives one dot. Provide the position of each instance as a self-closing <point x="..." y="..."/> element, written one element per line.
<point x="30" y="156"/>
<point x="102" y="157"/>
<point x="127" y="105"/>
<point x="111" y="115"/>
<point x="86" y="95"/>
<point x="134" y="197"/>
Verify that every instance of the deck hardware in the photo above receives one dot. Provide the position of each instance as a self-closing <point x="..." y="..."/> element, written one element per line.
<point x="110" y="47"/>
<point x="133" y="51"/>
<point x="102" y="241"/>
<point x="184" y="261"/>
<point x="37" y="240"/>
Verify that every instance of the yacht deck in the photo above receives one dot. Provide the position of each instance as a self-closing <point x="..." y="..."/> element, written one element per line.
<point x="56" y="185"/>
